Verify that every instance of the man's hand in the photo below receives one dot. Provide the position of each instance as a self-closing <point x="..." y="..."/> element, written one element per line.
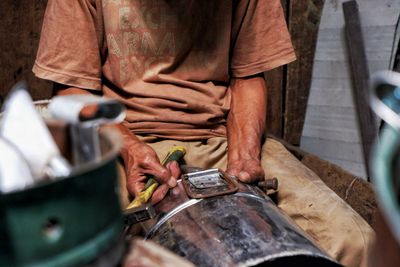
<point x="246" y="170"/>
<point x="140" y="159"/>
<point x="246" y="124"/>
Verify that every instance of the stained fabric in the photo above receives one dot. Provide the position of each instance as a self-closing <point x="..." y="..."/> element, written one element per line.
<point x="169" y="62"/>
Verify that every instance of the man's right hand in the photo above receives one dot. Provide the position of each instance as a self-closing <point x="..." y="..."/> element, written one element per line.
<point x="141" y="161"/>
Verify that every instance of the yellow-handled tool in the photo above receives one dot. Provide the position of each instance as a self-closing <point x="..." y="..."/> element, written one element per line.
<point x="151" y="185"/>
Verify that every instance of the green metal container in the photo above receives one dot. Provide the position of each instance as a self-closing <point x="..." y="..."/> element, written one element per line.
<point x="385" y="160"/>
<point x="68" y="222"/>
<point x="385" y="171"/>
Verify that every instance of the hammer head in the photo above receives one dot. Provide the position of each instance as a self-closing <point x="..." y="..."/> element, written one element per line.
<point x="139" y="214"/>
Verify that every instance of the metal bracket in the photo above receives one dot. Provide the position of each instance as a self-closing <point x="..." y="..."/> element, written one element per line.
<point x="139" y="214"/>
<point x="208" y="183"/>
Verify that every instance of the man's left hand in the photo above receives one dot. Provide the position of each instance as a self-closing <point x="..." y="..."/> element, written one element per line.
<point x="245" y="127"/>
<point x="246" y="170"/>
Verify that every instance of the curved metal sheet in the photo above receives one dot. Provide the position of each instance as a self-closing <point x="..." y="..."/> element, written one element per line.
<point x="242" y="229"/>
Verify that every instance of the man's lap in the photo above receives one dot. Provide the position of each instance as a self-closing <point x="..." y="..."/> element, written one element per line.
<point x="302" y="195"/>
<point x="318" y="210"/>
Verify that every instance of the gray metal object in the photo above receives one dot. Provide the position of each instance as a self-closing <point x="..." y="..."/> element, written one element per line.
<point x="57" y="223"/>
<point x="139" y="214"/>
<point x="385" y="163"/>
<point x="84" y="129"/>
<point x="206" y="179"/>
<point x="208" y="183"/>
<point x="385" y="96"/>
<point x="241" y="229"/>
<point x="85" y="142"/>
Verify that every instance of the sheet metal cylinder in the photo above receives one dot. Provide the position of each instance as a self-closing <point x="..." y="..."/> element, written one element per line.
<point x="241" y="229"/>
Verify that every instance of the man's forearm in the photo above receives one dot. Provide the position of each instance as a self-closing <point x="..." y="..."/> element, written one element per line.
<point x="246" y="119"/>
<point x="140" y="160"/>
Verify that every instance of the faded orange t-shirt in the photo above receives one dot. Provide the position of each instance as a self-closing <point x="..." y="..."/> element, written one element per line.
<point x="168" y="61"/>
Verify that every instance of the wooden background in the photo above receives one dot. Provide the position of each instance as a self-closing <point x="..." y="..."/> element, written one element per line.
<point x="20" y="24"/>
<point x="331" y="129"/>
<point x="289" y="86"/>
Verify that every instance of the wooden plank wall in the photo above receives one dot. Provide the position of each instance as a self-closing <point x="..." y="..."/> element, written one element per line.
<point x="304" y="18"/>
<point x="360" y="79"/>
<point x="330" y="129"/>
<point x="289" y="86"/>
<point x="20" y="24"/>
<point x="276" y="80"/>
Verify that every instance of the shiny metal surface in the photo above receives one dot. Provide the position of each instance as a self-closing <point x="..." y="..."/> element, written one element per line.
<point x="242" y="229"/>
<point x="208" y="183"/>
<point x="385" y="161"/>
<point x="385" y="96"/>
<point x="169" y="215"/>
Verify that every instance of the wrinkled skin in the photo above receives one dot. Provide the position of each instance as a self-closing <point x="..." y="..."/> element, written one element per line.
<point x="141" y="160"/>
<point x="245" y="127"/>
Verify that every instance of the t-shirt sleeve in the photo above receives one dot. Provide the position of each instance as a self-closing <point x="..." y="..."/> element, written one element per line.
<point x="69" y="48"/>
<point x="260" y="38"/>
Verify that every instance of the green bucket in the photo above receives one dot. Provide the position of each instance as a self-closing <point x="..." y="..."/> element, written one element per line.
<point x="68" y="222"/>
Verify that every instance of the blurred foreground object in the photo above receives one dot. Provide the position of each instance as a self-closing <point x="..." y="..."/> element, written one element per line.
<point x="14" y="170"/>
<point x="385" y="164"/>
<point x="22" y="127"/>
<point x="67" y="222"/>
<point x="85" y="114"/>
<point x="60" y="222"/>
<point x="244" y="228"/>
<point x="149" y="254"/>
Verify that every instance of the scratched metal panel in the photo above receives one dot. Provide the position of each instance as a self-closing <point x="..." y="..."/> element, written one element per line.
<point x="243" y="229"/>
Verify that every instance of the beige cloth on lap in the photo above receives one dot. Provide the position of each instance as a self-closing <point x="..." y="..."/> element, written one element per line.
<point x="336" y="227"/>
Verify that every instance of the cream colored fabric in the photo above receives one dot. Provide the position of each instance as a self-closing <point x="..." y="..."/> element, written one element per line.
<point x="335" y="226"/>
<point x="316" y="208"/>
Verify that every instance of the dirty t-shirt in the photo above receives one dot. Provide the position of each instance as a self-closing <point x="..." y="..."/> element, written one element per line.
<point x="168" y="61"/>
